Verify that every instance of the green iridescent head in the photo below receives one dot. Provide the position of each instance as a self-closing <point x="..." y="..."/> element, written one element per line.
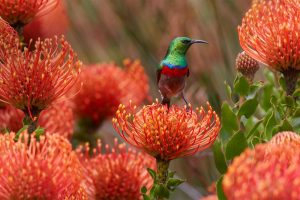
<point x="180" y="45"/>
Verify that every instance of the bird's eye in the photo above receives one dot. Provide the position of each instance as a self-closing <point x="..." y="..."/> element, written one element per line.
<point x="185" y="41"/>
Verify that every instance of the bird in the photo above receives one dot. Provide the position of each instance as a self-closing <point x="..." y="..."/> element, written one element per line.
<point x="173" y="70"/>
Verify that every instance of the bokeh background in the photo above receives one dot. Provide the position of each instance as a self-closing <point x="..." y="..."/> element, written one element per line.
<point x="111" y="30"/>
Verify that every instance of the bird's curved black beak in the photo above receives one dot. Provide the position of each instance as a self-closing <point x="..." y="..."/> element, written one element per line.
<point x="198" y="41"/>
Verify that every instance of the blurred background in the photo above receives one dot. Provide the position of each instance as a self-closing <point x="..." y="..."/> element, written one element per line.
<point x="105" y="31"/>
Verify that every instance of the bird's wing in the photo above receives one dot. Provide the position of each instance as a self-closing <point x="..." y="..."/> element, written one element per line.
<point x="158" y="73"/>
<point x="188" y="72"/>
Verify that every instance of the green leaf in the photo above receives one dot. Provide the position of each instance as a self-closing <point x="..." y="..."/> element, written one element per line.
<point x="228" y="118"/>
<point x="270" y="122"/>
<point x="282" y="82"/>
<point x="38" y="132"/>
<point x="285" y="126"/>
<point x="152" y="173"/>
<point x="236" y="145"/>
<point x="228" y="90"/>
<point x="171" y="174"/>
<point x="145" y="197"/>
<point x="290" y="101"/>
<point x="173" y="183"/>
<point x="269" y="76"/>
<point x="248" y="108"/>
<point x="241" y="85"/>
<point x="220" y="192"/>
<point x="254" y="128"/>
<point x="143" y="190"/>
<point x="265" y="96"/>
<point x="163" y="191"/>
<point x="219" y="157"/>
<point x="25" y="127"/>
<point x="297" y="113"/>
<point x="153" y="191"/>
<point x="296" y="93"/>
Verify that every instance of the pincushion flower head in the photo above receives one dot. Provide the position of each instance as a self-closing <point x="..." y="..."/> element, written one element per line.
<point x="269" y="171"/>
<point x="45" y="169"/>
<point x="165" y="133"/>
<point x="33" y="80"/>
<point x="270" y="33"/>
<point x="105" y="86"/>
<point x="20" y="12"/>
<point x="118" y="173"/>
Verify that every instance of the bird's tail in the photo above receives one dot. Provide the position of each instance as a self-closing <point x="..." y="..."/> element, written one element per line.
<point x="166" y="101"/>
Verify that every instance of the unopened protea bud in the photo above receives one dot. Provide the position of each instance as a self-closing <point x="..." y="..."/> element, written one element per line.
<point x="246" y="65"/>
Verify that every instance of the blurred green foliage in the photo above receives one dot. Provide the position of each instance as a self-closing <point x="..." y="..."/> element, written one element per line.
<point x="258" y="112"/>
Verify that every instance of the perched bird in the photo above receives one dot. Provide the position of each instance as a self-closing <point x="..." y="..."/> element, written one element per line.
<point x="173" y="69"/>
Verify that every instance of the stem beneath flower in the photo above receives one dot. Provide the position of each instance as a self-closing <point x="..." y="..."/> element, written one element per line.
<point x="32" y="123"/>
<point x="290" y="77"/>
<point x="19" y="27"/>
<point x="162" y="170"/>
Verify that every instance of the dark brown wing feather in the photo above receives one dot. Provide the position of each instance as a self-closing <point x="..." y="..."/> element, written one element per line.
<point x="158" y="74"/>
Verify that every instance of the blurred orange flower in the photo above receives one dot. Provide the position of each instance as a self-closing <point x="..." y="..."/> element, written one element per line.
<point x="269" y="171"/>
<point x="32" y="80"/>
<point x="20" y="12"/>
<point x="44" y="169"/>
<point x="57" y="19"/>
<point x="58" y="118"/>
<point x="269" y="33"/>
<point x="118" y="173"/>
<point x="166" y="133"/>
<point x="105" y="86"/>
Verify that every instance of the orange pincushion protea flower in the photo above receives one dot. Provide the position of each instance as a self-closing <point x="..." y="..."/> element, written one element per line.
<point x="118" y="173"/>
<point x="269" y="171"/>
<point x="166" y="133"/>
<point x="32" y="80"/>
<point x="285" y="138"/>
<point x="20" y="12"/>
<point x="58" y="119"/>
<point x="44" y="169"/>
<point x="270" y="33"/>
<point x="105" y="86"/>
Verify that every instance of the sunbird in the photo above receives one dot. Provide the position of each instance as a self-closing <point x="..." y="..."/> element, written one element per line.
<point x="173" y="69"/>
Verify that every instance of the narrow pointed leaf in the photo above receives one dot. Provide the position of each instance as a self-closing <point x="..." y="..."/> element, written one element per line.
<point x="219" y="157"/>
<point x="236" y="145"/>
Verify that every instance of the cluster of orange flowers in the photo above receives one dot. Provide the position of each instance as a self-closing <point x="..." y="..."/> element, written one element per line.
<point x="42" y="81"/>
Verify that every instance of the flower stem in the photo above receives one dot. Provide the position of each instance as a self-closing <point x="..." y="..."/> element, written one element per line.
<point x="162" y="170"/>
<point x="290" y="77"/>
<point x="32" y="123"/>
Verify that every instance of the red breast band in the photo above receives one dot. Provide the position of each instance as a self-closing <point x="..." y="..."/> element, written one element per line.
<point x="174" y="71"/>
